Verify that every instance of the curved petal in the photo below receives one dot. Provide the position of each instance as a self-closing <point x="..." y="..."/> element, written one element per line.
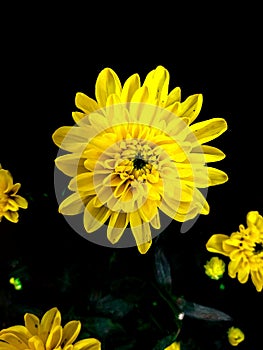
<point x="131" y="85"/>
<point x="54" y="338"/>
<point x="72" y="205"/>
<point x="141" y="232"/>
<point x="117" y="225"/>
<point x="49" y="321"/>
<point x="157" y="82"/>
<point x="20" y="331"/>
<point x="212" y="154"/>
<point x="215" y="244"/>
<point x="6" y="181"/>
<point x="88" y="344"/>
<point x="216" y="177"/>
<point x="95" y="217"/>
<point x="20" y="201"/>
<point x="70" y="332"/>
<point x="208" y="130"/>
<point x="191" y="107"/>
<point x="32" y="323"/>
<point x="107" y="83"/>
<point x="85" y="103"/>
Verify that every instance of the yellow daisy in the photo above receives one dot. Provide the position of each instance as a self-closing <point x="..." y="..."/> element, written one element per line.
<point x="134" y="153"/>
<point x="10" y="201"/>
<point x="46" y="334"/>
<point x="245" y="250"/>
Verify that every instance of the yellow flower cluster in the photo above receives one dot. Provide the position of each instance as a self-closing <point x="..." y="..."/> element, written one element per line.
<point x="46" y="334"/>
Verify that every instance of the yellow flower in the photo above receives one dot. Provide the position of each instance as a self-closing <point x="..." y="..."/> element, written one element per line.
<point x="134" y="152"/>
<point x="235" y="336"/>
<point x="215" y="268"/>
<point x="245" y="250"/>
<point x="10" y="201"/>
<point x="46" y="334"/>
<point x="174" y="346"/>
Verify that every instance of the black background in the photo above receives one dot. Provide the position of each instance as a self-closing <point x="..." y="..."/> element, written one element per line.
<point x="38" y="92"/>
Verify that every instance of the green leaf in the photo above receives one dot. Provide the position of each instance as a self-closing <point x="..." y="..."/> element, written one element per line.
<point x="201" y="312"/>
<point x="114" y="307"/>
<point x="162" y="270"/>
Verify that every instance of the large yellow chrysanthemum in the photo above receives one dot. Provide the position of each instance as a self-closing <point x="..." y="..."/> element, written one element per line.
<point x="245" y="250"/>
<point x="134" y="152"/>
<point x="46" y="334"/>
<point x="10" y="201"/>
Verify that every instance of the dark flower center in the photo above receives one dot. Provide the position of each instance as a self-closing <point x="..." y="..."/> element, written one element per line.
<point x="139" y="162"/>
<point x="258" y="248"/>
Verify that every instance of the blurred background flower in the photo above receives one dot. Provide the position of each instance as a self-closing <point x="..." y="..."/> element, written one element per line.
<point x="235" y="336"/>
<point x="245" y="250"/>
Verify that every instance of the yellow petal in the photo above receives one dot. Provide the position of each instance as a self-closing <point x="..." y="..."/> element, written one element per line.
<point x="208" y="130"/>
<point x="11" y="216"/>
<point x="85" y="103"/>
<point x="117" y="224"/>
<point x="72" y="205"/>
<point x="20" y="201"/>
<point x="54" y="338"/>
<point x="215" y="244"/>
<point x="5" y="346"/>
<point x="191" y="107"/>
<point x="157" y="82"/>
<point x="70" y="332"/>
<point x="212" y="154"/>
<point x="141" y="232"/>
<point x="6" y="181"/>
<point x="216" y="177"/>
<point x="35" y="343"/>
<point x="70" y="164"/>
<point x="173" y="97"/>
<point x="107" y="83"/>
<point x="73" y="139"/>
<point x="94" y="218"/>
<point x="88" y="344"/>
<point x="32" y="323"/>
<point x="140" y="96"/>
<point x="83" y="182"/>
<point x="13" y="340"/>
<point x="131" y="85"/>
<point x="49" y="321"/>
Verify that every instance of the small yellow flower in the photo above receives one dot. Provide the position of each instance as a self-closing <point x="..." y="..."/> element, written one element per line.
<point x="135" y="152"/>
<point x="10" y="201"/>
<point x="235" y="336"/>
<point x="215" y="268"/>
<point x="174" y="346"/>
<point x="46" y="334"/>
<point x="244" y="249"/>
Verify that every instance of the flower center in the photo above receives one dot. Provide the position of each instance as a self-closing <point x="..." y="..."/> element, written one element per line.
<point x="139" y="162"/>
<point x="258" y="248"/>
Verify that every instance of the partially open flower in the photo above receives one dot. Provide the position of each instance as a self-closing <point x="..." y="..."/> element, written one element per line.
<point x="10" y="201"/>
<point x="235" y="336"/>
<point x="215" y="268"/>
<point x="244" y="249"/>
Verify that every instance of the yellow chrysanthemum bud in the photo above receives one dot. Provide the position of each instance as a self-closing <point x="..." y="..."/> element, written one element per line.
<point x="215" y="268"/>
<point x="235" y="336"/>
